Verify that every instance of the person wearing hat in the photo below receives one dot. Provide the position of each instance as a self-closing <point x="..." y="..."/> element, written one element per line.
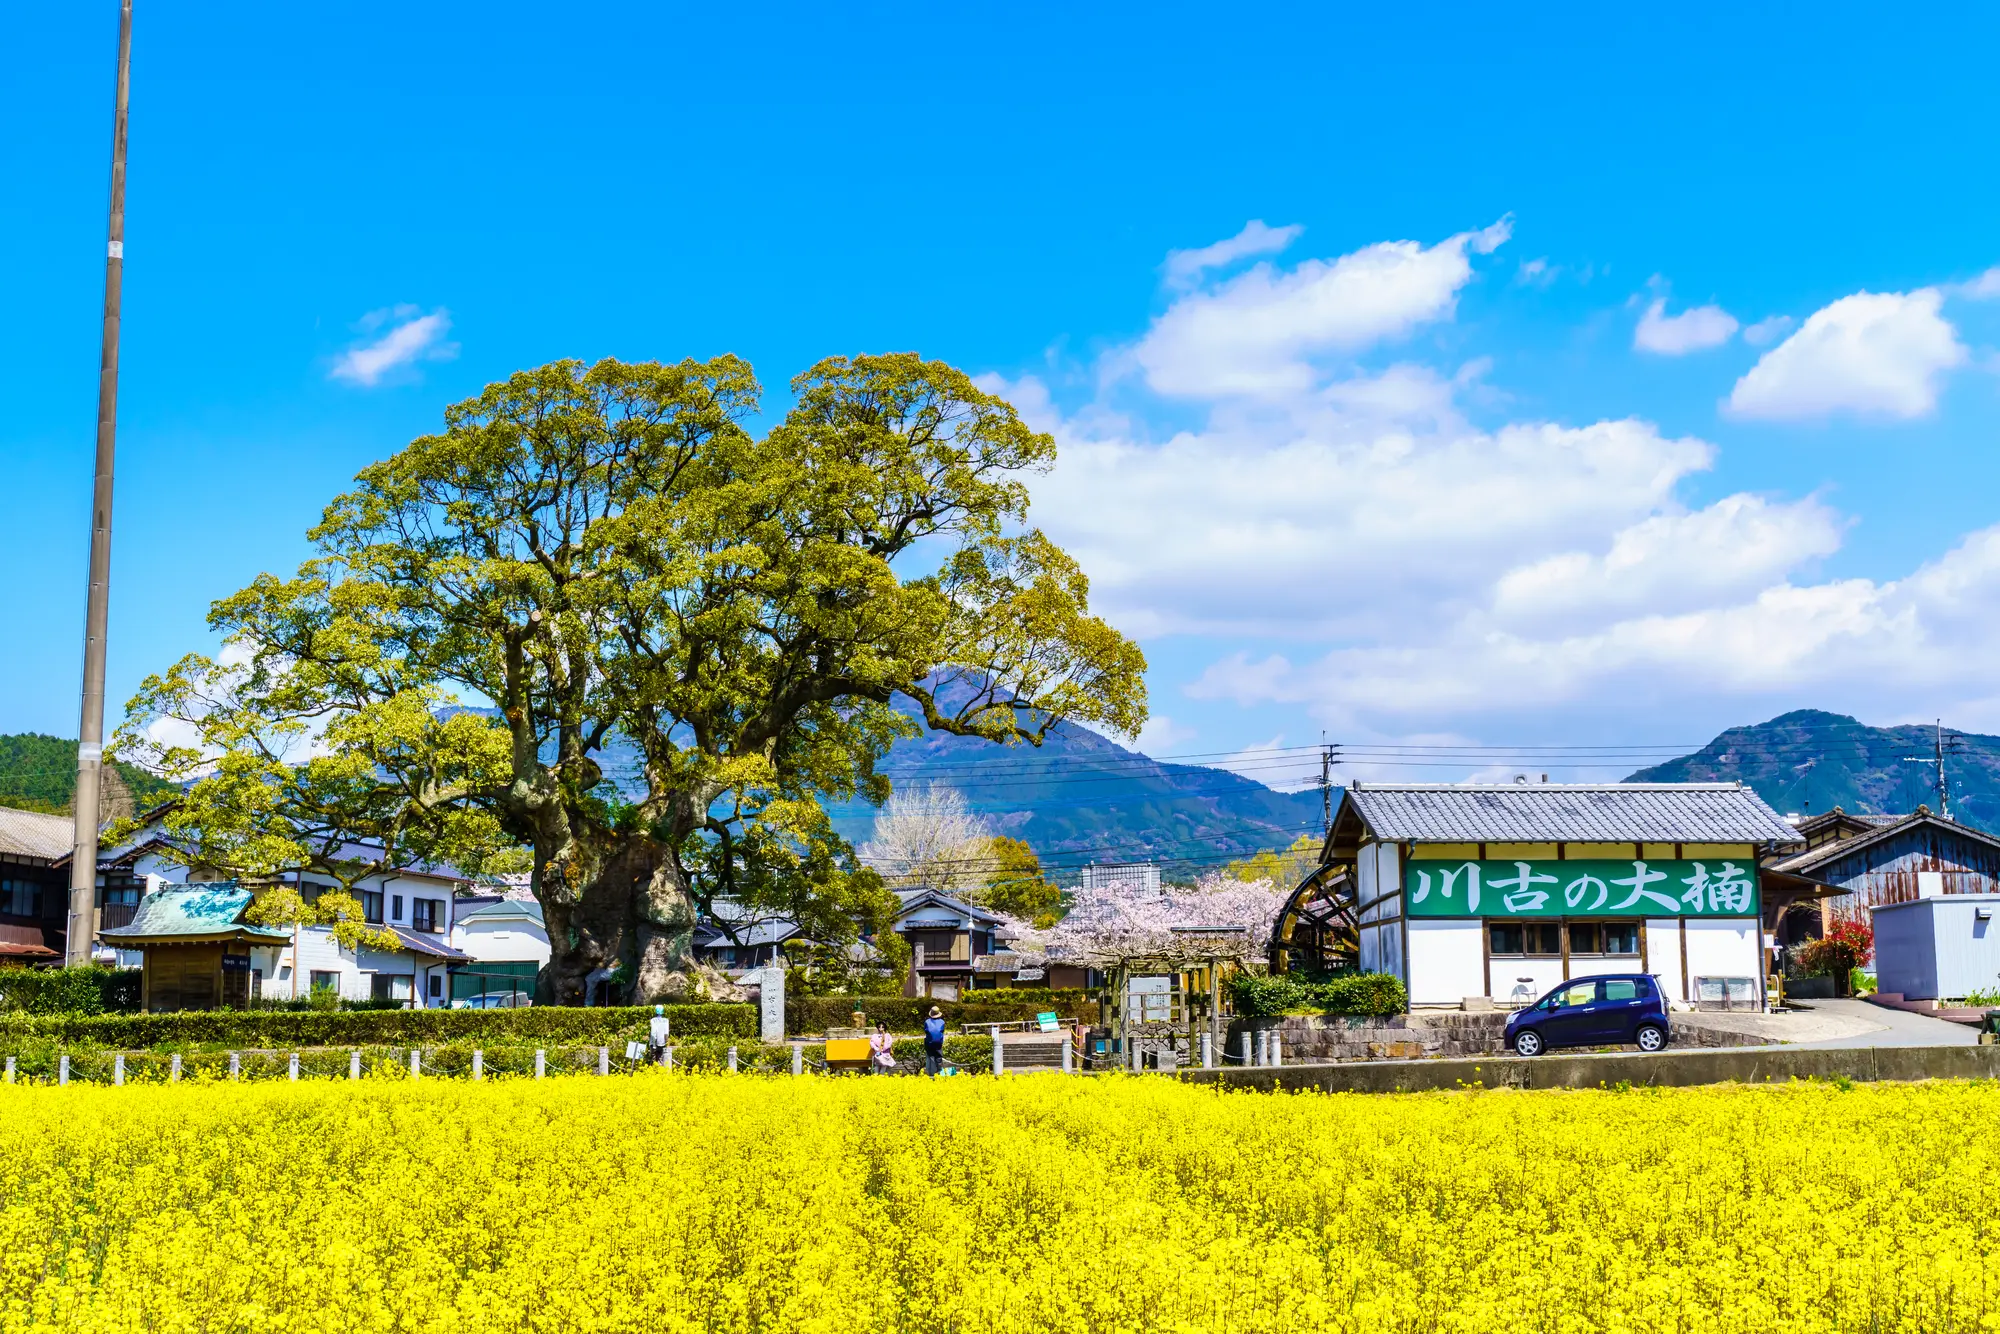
<point x="934" y="1041"/>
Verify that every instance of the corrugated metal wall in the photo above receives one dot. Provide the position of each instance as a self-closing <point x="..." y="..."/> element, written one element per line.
<point x="1887" y="872"/>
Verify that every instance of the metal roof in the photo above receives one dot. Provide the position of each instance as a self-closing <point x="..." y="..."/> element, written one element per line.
<point x="32" y="834"/>
<point x="182" y="912"/>
<point x="507" y="909"/>
<point x="1567" y="812"/>
<point x="1892" y="827"/>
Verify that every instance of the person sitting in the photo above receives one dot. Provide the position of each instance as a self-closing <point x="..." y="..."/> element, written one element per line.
<point x="881" y="1051"/>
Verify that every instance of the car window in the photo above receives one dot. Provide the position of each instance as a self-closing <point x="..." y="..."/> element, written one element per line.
<point x="1621" y="989"/>
<point x="1583" y="993"/>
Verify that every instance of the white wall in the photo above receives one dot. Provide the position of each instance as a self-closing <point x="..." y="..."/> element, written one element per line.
<point x="1663" y="955"/>
<point x="1447" y="960"/>
<point x="503" y="940"/>
<point x="1724" y="947"/>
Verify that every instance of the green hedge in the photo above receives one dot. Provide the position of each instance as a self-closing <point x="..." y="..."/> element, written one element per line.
<point x="362" y="1028"/>
<point x="905" y="1014"/>
<point x="1259" y="997"/>
<point x="69" y="990"/>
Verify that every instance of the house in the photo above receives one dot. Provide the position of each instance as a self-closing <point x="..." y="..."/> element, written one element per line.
<point x="34" y="886"/>
<point x="947" y="938"/>
<point x="197" y="951"/>
<point x="507" y="944"/>
<point x="1869" y="861"/>
<point x="737" y="940"/>
<point x="1504" y="891"/>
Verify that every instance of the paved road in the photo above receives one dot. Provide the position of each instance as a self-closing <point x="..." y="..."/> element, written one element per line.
<point x="1891" y="1028"/>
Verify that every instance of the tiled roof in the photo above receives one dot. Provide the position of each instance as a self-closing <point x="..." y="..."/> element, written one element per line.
<point x="180" y="911"/>
<point x="32" y="834"/>
<point x="419" y="942"/>
<point x="509" y="909"/>
<point x="1567" y="812"/>
<point x="913" y="899"/>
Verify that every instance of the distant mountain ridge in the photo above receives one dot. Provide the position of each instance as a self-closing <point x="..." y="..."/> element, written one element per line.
<point x="1809" y="761"/>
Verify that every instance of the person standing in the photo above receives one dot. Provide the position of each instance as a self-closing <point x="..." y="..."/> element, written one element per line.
<point x="882" y="1051"/>
<point x="934" y="1041"/>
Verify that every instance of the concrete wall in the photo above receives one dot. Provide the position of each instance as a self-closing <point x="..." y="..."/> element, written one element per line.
<point x="1674" y="1069"/>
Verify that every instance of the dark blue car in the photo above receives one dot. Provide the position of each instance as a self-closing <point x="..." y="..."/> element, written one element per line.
<point x="1593" y="1012"/>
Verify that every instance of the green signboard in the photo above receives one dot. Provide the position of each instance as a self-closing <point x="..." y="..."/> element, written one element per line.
<point x="1712" y="888"/>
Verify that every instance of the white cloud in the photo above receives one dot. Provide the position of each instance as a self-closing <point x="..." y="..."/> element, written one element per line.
<point x="1269" y="763"/>
<point x="1160" y="735"/>
<point x="1536" y="273"/>
<point x="1185" y="267"/>
<point x="410" y="338"/>
<point x="1768" y="330"/>
<point x="1983" y="288"/>
<point x="1690" y="331"/>
<point x="1876" y="354"/>
<point x="1258" y="333"/>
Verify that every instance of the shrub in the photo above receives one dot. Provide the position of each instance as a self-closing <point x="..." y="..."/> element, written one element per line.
<point x="1843" y="949"/>
<point x="69" y="990"/>
<point x="360" y="1028"/>
<point x="1259" y="996"/>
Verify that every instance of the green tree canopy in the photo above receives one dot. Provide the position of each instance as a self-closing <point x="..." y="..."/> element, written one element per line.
<point x="606" y="552"/>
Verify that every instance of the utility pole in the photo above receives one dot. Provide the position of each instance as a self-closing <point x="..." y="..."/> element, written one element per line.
<point x="82" y="924"/>
<point x="1326" y="785"/>
<point x="1937" y="759"/>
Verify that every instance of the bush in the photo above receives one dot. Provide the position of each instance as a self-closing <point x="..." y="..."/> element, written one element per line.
<point x="1843" y="949"/>
<point x="90" y="990"/>
<point x="1265" y="996"/>
<point x="905" y="1014"/>
<point x="360" y="1028"/>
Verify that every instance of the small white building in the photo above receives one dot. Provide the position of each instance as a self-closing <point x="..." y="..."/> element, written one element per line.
<point x="1938" y="947"/>
<point x="1504" y="891"/>
<point x="507" y="943"/>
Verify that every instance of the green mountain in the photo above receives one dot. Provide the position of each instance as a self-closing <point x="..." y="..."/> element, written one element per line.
<point x="38" y="773"/>
<point x="1809" y="761"/>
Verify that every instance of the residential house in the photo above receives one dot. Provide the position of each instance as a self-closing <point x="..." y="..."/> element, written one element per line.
<point x="34" y="886"/>
<point x="947" y="938"/>
<point x="737" y="941"/>
<point x="507" y="943"/>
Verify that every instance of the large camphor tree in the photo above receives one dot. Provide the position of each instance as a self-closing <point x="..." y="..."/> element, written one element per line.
<point x="602" y="562"/>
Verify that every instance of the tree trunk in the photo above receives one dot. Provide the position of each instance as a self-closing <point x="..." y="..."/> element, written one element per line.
<point x="616" y="913"/>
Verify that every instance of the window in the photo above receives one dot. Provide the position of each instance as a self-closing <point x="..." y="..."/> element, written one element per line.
<point x="392" y="986"/>
<point x="371" y="906"/>
<point x="427" y="914"/>
<point x="1604" y="938"/>
<point x="1582" y="993"/>
<point x="121" y="893"/>
<point x="1624" y="989"/>
<point x="395" y="907"/>
<point x="1529" y="938"/>
<point x="437" y="986"/>
<point x="325" y="981"/>
<point x="22" y="898"/>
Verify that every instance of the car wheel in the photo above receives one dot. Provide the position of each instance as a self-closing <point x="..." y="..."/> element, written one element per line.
<point x="1651" y="1037"/>
<point x="1528" y="1042"/>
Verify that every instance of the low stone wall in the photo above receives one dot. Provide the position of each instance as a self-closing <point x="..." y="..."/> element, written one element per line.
<point x="1425" y="1035"/>
<point x="1670" y="1069"/>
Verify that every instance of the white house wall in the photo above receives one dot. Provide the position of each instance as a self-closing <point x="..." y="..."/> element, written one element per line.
<point x="506" y="940"/>
<point x="1727" y="947"/>
<point x="1447" y="956"/>
<point x="1663" y="956"/>
<point x="1519" y="980"/>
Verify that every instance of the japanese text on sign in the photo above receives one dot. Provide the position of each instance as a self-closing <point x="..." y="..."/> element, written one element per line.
<point x="1581" y="889"/>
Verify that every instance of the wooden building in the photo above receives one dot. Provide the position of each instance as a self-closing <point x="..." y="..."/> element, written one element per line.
<point x="1504" y="891"/>
<point x="199" y="953"/>
<point x="1868" y="861"/>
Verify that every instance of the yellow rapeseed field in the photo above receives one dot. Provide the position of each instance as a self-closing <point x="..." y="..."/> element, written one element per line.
<point x="703" y="1202"/>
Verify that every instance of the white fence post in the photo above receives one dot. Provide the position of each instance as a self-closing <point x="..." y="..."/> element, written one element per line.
<point x="1069" y="1050"/>
<point x="118" y="1068"/>
<point x="999" y="1054"/>
<point x="62" y="1070"/>
<point x="798" y="1058"/>
<point x="1134" y="1047"/>
<point x="416" y="1062"/>
<point x="354" y="1064"/>
<point x="1207" y="1051"/>
<point x="173" y="1069"/>
<point x="667" y="1057"/>
<point x="1245" y="1044"/>
<point x="294" y="1071"/>
<point x="1277" y="1047"/>
<point x="235" y="1065"/>
<point x="478" y="1063"/>
<point x="540" y="1060"/>
<point x="732" y="1060"/>
<point x="10" y="1068"/>
<point x="604" y="1060"/>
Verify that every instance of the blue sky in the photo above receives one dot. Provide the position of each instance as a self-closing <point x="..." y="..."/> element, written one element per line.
<point x="1446" y="490"/>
